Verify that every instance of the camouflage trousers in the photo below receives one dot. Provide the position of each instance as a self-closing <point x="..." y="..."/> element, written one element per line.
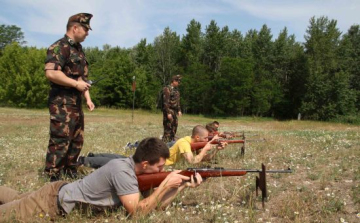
<point x="66" y="139"/>
<point x="170" y="127"/>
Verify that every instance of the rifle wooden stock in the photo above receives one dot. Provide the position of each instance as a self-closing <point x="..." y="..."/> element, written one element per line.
<point x="199" y="145"/>
<point x="149" y="181"/>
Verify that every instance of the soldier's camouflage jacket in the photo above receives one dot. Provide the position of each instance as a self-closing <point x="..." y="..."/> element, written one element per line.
<point x="67" y="56"/>
<point x="171" y="99"/>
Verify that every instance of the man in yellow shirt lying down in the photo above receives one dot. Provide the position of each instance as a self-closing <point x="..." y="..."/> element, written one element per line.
<point x="180" y="151"/>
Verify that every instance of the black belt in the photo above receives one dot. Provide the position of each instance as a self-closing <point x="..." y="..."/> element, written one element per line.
<point x="61" y="209"/>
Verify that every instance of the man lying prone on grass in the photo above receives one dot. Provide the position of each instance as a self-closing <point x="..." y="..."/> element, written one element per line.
<point x="115" y="184"/>
<point x="180" y="152"/>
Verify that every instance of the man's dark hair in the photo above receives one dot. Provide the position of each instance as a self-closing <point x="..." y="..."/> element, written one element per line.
<point x="151" y="149"/>
<point x="216" y="122"/>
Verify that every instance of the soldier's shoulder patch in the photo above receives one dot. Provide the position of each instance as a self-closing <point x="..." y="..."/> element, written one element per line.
<point x="57" y="49"/>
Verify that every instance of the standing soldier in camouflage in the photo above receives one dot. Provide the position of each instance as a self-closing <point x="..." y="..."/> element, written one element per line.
<point x="67" y="70"/>
<point x="171" y="108"/>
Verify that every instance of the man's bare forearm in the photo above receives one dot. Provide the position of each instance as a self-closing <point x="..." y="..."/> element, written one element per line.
<point x="58" y="77"/>
<point x="146" y="205"/>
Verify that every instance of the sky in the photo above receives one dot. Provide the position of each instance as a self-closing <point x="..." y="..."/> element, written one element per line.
<point x="124" y="23"/>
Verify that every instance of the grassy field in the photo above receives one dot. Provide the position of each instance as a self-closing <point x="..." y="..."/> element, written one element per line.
<point x="324" y="185"/>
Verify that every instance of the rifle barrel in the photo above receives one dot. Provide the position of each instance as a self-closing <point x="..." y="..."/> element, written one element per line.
<point x="200" y="145"/>
<point x="271" y="171"/>
<point x="149" y="181"/>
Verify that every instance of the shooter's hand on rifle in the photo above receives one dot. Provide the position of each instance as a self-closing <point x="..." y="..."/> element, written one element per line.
<point x="221" y="145"/>
<point x="208" y="146"/>
<point x="175" y="180"/>
<point x="195" y="181"/>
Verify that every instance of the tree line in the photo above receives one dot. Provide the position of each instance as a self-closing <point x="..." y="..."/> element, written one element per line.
<point x="225" y="72"/>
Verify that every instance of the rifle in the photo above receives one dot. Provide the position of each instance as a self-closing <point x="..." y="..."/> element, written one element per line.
<point x="199" y="145"/>
<point x="195" y="146"/>
<point x="238" y="134"/>
<point x="152" y="180"/>
<point x="242" y="154"/>
<point x="221" y="135"/>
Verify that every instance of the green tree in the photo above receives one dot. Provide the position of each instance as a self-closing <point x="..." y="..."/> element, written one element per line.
<point x="115" y="90"/>
<point x="10" y="34"/>
<point x="249" y="40"/>
<point x="289" y="72"/>
<point x="214" y="46"/>
<point x="196" y="89"/>
<point x="234" y="85"/>
<point x="327" y="89"/>
<point x="148" y="85"/>
<point x="22" y="73"/>
<point x="234" y="44"/>
<point x="266" y="92"/>
<point x="166" y="55"/>
<point x="192" y="44"/>
<point x="349" y="55"/>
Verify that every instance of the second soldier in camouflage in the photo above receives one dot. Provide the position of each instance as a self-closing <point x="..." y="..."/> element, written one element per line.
<point x="171" y="109"/>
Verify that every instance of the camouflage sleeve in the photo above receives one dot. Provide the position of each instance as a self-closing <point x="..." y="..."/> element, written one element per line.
<point x="166" y="100"/>
<point x="56" y="56"/>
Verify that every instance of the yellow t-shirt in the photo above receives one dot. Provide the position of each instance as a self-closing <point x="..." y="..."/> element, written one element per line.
<point x="181" y="146"/>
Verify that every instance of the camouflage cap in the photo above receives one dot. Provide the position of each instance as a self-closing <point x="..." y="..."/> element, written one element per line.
<point x="176" y="78"/>
<point x="82" y="18"/>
